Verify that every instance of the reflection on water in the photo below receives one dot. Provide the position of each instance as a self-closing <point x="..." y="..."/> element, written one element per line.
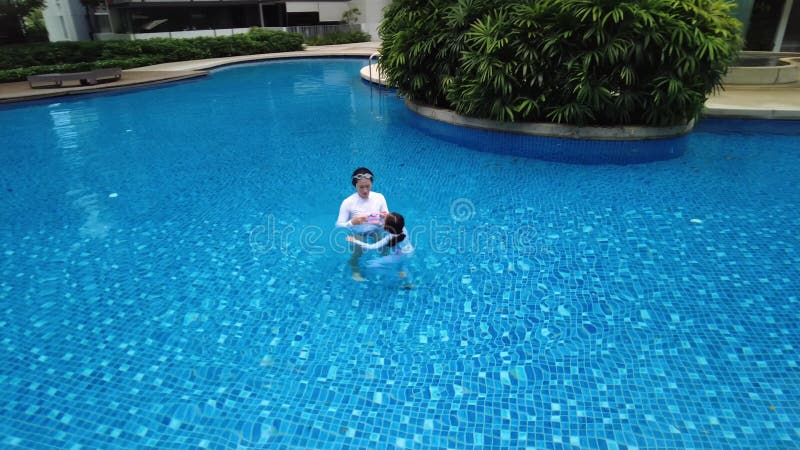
<point x="70" y="125"/>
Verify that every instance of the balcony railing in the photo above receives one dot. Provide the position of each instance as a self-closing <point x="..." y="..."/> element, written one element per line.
<point x="308" y="32"/>
<point x="316" y="31"/>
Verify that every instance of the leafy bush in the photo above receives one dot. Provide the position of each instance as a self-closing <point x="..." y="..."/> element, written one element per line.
<point x="598" y="62"/>
<point x="22" y="73"/>
<point x="45" y="53"/>
<point x="19" y="61"/>
<point x="339" y="38"/>
<point x="35" y="29"/>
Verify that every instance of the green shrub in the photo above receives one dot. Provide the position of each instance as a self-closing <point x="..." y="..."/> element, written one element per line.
<point x="22" y="73"/>
<point x="45" y="53"/>
<point x="340" y="38"/>
<point x="599" y="62"/>
<point x="121" y="49"/>
<point x="35" y="29"/>
<point x="19" y="61"/>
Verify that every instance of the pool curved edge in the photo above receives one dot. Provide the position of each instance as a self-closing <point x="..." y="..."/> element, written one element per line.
<point x="18" y="91"/>
<point x="571" y="149"/>
<point x="618" y="133"/>
<point x="786" y="72"/>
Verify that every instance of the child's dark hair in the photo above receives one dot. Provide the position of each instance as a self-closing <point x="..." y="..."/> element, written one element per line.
<point x="360" y="173"/>
<point x="394" y="223"/>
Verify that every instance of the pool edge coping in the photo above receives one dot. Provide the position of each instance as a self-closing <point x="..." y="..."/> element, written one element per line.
<point x="609" y="133"/>
<point x="175" y="71"/>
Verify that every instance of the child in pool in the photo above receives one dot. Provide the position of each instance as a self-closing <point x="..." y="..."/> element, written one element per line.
<point x="400" y="250"/>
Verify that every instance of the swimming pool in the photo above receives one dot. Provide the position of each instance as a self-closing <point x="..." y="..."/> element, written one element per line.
<point x="171" y="279"/>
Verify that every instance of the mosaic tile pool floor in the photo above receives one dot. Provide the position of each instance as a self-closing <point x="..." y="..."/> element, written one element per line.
<point x="170" y="278"/>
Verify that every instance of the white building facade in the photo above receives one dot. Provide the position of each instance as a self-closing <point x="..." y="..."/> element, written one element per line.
<point x="371" y="14"/>
<point x="66" y="20"/>
<point x="142" y="19"/>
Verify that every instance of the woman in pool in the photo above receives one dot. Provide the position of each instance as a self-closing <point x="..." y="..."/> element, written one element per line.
<point x="363" y="213"/>
<point x="400" y="250"/>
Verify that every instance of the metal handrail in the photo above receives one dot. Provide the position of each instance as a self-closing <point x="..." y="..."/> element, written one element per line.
<point x="377" y="56"/>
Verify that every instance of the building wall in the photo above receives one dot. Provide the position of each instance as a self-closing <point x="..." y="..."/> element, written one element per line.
<point x="371" y="15"/>
<point x="743" y="11"/>
<point x="65" y="20"/>
<point x="328" y="11"/>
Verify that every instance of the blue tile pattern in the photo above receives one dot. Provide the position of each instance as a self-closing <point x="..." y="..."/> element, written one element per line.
<point x="170" y="278"/>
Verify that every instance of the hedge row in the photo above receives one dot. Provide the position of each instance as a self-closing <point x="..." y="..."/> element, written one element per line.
<point x="7" y="76"/>
<point x="17" y="62"/>
<point x="339" y="38"/>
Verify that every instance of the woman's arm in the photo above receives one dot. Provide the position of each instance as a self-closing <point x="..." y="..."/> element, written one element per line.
<point x="367" y="246"/>
<point x="344" y="215"/>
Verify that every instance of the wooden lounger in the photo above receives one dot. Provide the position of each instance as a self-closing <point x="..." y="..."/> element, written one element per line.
<point x="85" y="78"/>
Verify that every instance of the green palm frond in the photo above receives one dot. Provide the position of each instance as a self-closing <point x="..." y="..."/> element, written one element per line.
<point x="566" y="61"/>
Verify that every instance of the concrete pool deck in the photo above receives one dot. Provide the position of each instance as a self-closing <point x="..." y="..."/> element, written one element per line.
<point x="734" y="101"/>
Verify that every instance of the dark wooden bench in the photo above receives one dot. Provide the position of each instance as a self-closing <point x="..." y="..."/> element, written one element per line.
<point x="85" y="78"/>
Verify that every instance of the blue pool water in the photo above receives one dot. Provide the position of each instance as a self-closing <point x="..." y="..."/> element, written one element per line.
<point x="170" y="278"/>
